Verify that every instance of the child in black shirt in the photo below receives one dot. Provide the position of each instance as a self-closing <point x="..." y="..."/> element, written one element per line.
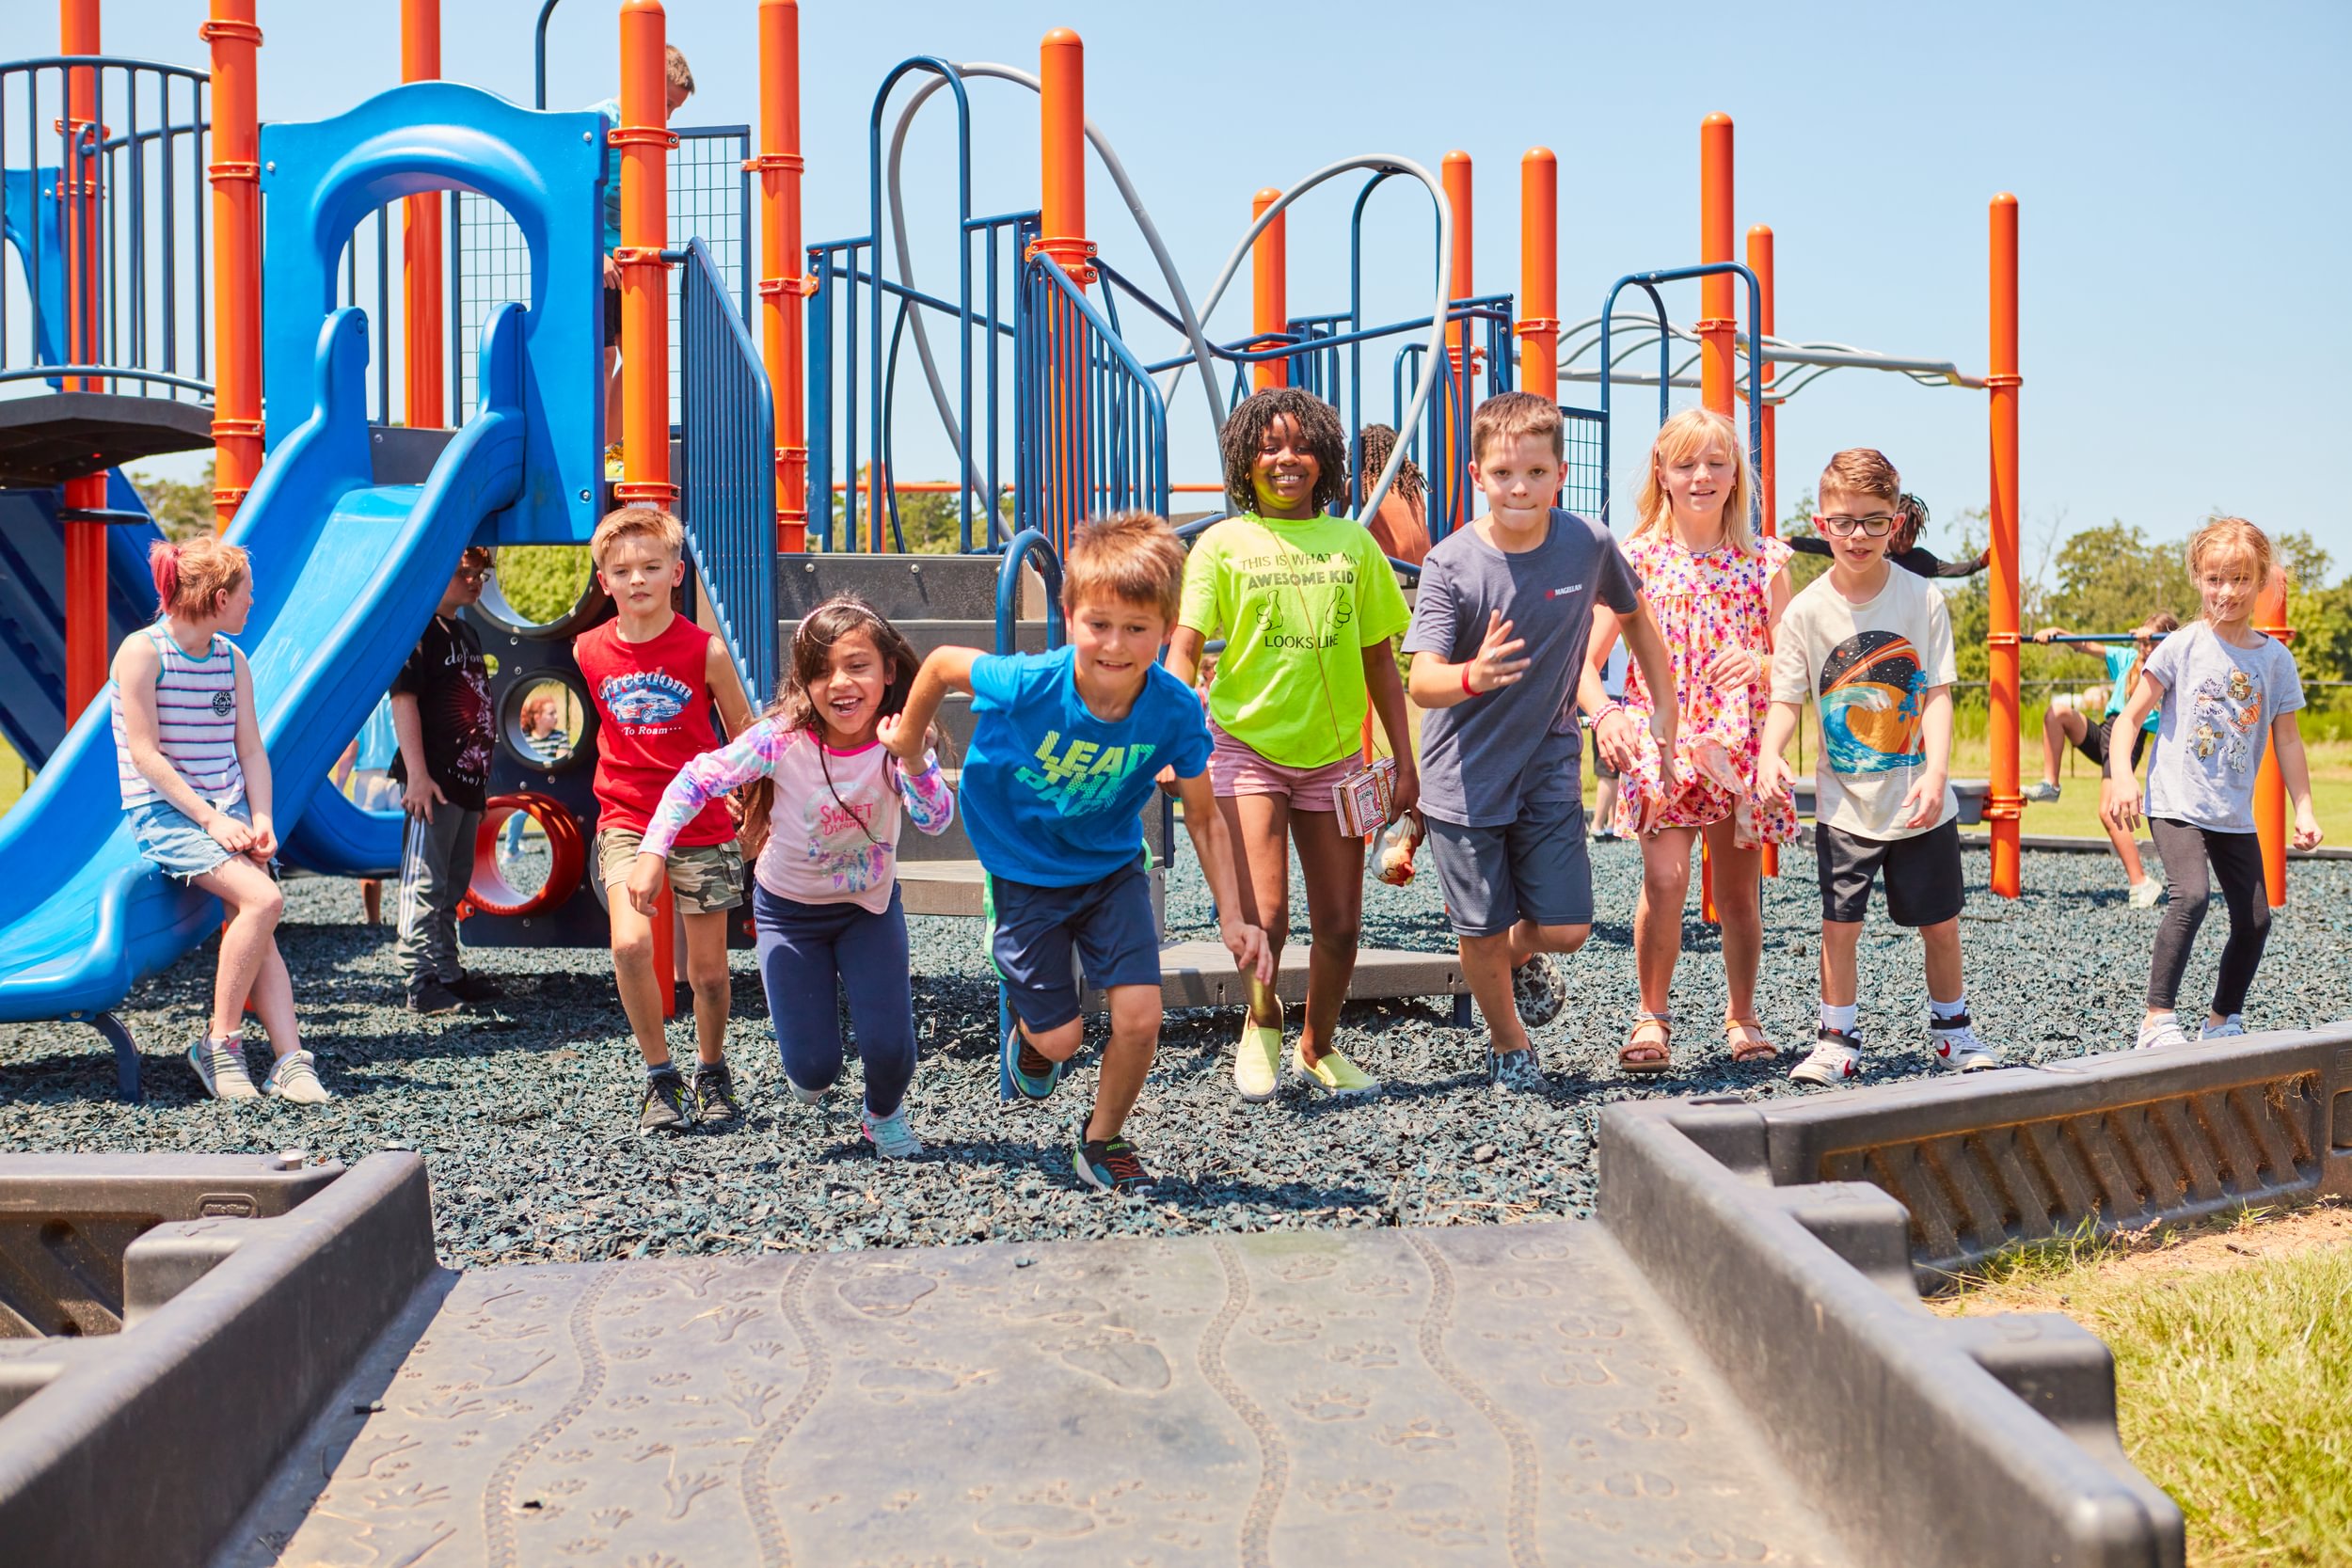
<point x="441" y="712"/>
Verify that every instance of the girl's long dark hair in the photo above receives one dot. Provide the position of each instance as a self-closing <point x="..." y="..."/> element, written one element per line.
<point x="1377" y="441"/>
<point x="796" y="709"/>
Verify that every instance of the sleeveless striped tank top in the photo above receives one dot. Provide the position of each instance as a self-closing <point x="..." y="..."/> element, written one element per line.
<point x="196" y="716"/>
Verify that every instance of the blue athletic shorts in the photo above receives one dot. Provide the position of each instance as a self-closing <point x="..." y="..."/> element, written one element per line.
<point x="1107" y="925"/>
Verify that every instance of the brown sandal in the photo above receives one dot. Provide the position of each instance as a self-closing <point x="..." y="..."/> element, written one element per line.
<point x="1747" y="1042"/>
<point x="1656" y="1054"/>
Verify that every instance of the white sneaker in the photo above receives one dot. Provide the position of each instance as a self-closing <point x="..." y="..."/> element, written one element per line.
<point x="220" y="1068"/>
<point x="1257" y="1061"/>
<point x="1835" y="1058"/>
<point x="1957" y="1048"/>
<point x="2159" y="1033"/>
<point x="2041" y="793"/>
<point x="806" y="1097"/>
<point x="2228" y="1028"/>
<point x="2145" y="892"/>
<point x="294" y="1079"/>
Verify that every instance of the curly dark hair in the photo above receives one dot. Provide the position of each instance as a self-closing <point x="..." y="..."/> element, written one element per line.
<point x="1376" y="441"/>
<point x="1318" y="427"/>
<point x="1911" y="521"/>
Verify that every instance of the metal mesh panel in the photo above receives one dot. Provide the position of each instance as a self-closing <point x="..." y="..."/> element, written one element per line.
<point x="1580" y="435"/>
<point x="710" y="200"/>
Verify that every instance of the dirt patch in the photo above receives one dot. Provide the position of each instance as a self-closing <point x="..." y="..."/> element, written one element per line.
<point x="2147" y="1260"/>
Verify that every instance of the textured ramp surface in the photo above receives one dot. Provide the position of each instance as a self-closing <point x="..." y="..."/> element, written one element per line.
<point x="1507" y="1396"/>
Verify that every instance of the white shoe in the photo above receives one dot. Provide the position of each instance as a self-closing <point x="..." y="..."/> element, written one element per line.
<point x="2041" y="793"/>
<point x="294" y="1079"/>
<point x="1957" y="1048"/>
<point x="1835" y="1058"/>
<point x="2145" y="892"/>
<point x="806" y="1097"/>
<point x="2159" y="1033"/>
<point x="220" y="1068"/>
<point x="1257" y="1061"/>
<point x="2228" y="1028"/>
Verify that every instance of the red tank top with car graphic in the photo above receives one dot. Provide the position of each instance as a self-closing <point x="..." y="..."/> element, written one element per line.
<point x="652" y="718"/>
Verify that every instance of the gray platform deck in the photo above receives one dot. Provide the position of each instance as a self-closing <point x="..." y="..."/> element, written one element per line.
<point x="1508" y="1396"/>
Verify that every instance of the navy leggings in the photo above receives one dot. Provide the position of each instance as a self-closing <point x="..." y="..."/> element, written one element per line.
<point x="2237" y="865"/>
<point x="808" y="950"/>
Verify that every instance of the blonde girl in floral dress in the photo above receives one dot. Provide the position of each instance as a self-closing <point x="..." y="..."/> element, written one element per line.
<point x="1717" y="591"/>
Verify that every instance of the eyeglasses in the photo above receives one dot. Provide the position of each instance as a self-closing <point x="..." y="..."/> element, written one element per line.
<point x="473" y="573"/>
<point x="1878" y="525"/>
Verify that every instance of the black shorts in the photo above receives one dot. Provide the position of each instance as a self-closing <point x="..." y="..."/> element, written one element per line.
<point x="2094" y="743"/>
<point x="1923" y="885"/>
<point x="1107" y="925"/>
<point x="1601" y="764"/>
<point x="612" y="316"/>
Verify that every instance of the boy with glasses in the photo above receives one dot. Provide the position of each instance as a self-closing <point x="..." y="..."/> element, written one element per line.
<point x="441" y="714"/>
<point x="1873" y="647"/>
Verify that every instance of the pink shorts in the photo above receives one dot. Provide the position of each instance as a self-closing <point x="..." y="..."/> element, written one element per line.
<point x="1234" y="768"/>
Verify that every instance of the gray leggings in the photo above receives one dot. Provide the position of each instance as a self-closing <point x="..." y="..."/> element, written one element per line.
<point x="2237" y="861"/>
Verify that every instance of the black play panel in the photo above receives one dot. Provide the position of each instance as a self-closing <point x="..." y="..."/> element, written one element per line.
<point x="54" y="436"/>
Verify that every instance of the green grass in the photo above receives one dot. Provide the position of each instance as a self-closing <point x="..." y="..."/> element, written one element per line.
<point x="2233" y="1383"/>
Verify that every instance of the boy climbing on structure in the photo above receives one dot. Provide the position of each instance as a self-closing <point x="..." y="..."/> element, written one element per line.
<point x="441" y="704"/>
<point x="653" y="675"/>
<point x="1064" y="752"/>
<point x="1498" y="642"/>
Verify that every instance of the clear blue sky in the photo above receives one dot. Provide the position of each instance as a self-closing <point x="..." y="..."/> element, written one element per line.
<point x="2177" y="167"/>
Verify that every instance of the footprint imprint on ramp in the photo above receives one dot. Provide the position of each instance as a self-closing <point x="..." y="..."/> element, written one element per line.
<point x="1120" y="1359"/>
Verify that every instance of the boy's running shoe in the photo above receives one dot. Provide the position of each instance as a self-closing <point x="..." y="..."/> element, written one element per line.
<point x="2144" y="894"/>
<point x="892" y="1138"/>
<point x="665" y="1107"/>
<point x="1537" y="991"/>
<point x="1957" y="1048"/>
<point x="2040" y="793"/>
<point x="715" y="1104"/>
<point x="1835" y="1059"/>
<point x="2228" y="1028"/>
<point x="2160" y="1033"/>
<point x="1518" y="1071"/>
<point x="1109" y="1164"/>
<point x="1031" y="1075"/>
<point x="295" y="1078"/>
<point x="220" y="1068"/>
<point x="1335" y="1074"/>
<point x="1257" y="1061"/>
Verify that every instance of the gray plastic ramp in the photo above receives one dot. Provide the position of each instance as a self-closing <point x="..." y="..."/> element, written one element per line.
<point x="1507" y="1396"/>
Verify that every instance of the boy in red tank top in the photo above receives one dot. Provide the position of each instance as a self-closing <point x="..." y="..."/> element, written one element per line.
<point x="653" y="675"/>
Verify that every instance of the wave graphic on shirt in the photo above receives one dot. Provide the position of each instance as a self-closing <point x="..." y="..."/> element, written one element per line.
<point x="1869" y="696"/>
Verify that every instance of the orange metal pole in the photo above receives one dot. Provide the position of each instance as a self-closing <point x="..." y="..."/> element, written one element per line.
<point x="2003" y="804"/>
<point x="2270" y="785"/>
<point x="783" y="283"/>
<point x="1456" y="175"/>
<point x="645" y="140"/>
<point x="1062" y="224"/>
<point x="235" y="172"/>
<point x="1269" y="292"/>
<point x="1768" y="447"/>
<point x="1539" y="272"/>
<point x="85" y="542"/>
<point x="423" y="254"/>
<point x="1718" y="332"/>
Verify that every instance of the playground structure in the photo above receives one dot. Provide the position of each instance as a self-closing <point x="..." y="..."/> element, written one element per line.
<point x="786" y="397"/>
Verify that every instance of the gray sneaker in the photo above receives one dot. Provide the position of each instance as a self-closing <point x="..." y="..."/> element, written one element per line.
<point x="665" y="1107"/>
<point x="220" y="1068"/>
<point x="2041" y="793"/>
<point x="1515" y="1071"/>
<point x="892" y="1138"/>
<point x="295" y="1078"/>
<point x="1537" y="992"/>
<point x="2228" y="1028"/>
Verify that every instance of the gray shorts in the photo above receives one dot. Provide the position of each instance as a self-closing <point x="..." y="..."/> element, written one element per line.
<point x="1536" y="868"/>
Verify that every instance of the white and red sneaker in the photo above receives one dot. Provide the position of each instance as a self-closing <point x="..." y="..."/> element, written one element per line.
<point x="1957" y="1048"/>
<point x="1835" y="1059"/>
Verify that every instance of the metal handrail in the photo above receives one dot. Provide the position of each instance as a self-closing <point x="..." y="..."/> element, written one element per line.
<point x="1648" y="282"/>
<point x="1081" y="397"/>
<point x="1028" y="541"/>
<point x="728" y="494"/>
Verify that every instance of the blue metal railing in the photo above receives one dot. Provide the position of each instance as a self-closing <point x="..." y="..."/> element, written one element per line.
<point x="1648" y="282"/>
<point x="728" y="493"/>
<point x="142" y="158"/>
<point x="1090" y="428"/>
<point x="1023" y="546"/>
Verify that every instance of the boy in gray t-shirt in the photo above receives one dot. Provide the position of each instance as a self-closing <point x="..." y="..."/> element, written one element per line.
<point x="1499" y="641"/>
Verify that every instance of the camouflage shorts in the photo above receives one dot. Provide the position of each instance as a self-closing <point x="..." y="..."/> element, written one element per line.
<point x="706" y="878"/>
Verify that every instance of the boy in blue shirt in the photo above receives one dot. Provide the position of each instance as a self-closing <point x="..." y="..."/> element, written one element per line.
<point x="1066" y="750"/>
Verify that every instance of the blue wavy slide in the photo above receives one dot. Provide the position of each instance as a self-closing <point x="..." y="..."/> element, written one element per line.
<point x="347" y="575"/>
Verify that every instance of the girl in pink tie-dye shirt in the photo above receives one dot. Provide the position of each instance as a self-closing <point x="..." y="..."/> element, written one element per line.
<point x="820" y="828"/>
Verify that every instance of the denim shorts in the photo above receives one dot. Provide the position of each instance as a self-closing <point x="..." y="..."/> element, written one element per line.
<point x="170" y="838"/>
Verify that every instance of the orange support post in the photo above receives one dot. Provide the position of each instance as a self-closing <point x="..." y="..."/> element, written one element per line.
<point x="1538" y="326"/>
<point x="235" y="172"/>
<point x="1718" y="332"/>
<point x="645" y="140"/>
<point x="1269" y="291"/>
<point x="2003" y="804"/>
<point x="1456" y="175"/>
<point x="783" y="283"/>
<point x="2270" y="785"/>
<point x="85" y="542"/>
<point x="1768" y="447"/>
<point x="1062" y="227"/>
<point x="423" y="253"/>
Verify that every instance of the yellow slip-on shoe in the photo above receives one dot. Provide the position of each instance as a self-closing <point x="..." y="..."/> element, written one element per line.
<point x="1258" y="1061"/>
<point x="1336" y="1074"/>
